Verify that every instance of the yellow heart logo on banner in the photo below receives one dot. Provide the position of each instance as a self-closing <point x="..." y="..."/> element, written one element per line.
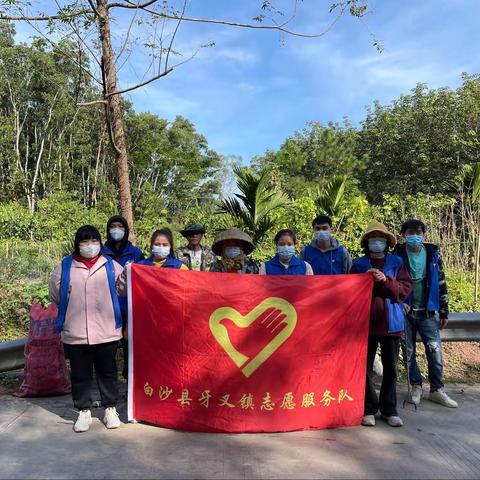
<point x="271" y="313"/>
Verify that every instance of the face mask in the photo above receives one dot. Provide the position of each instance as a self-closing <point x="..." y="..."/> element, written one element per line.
<point x="414" y="240"/>
<point x="286" y="251"/>
<point x="89" y="251"/>
<point x="117" y="233"/>
<point x="160" y="252"/>
<point x="232" y="252"/>
<point x="377" y="246"/>
<point x="322" y="235"/>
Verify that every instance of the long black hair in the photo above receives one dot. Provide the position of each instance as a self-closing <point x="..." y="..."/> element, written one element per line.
<point x="87" y="232"/>
<point x="167" y="233"/>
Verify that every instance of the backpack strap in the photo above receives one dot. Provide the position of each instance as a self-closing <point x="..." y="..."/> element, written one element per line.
<point x="113" y="292"/>
<point x="64" y="292"/>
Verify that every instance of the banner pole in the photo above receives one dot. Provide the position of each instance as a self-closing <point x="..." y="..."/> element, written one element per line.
<point x="130" y="345"/>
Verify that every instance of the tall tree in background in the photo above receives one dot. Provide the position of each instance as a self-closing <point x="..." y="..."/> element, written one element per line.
<point x="79" y="16"/>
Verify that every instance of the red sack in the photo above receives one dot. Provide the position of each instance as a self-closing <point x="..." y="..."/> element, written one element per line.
<point x="45" y="373"/>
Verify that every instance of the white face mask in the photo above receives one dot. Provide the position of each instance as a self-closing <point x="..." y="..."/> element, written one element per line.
<point x="232" y="252"/>
<point x="117" y="233"/>
<point x="89" y="251"/>
<point x="160" y="252"/>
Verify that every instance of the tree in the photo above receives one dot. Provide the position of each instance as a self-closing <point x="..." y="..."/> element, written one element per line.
<point x="79" y="16"/>
<point x="252" y="208"/>
<point x="420" y="141"/>
<point x="310" y="158"/>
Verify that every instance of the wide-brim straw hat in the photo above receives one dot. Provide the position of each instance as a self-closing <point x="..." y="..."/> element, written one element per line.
<point x="232" y="234"/>
<point x="380" y="228"/>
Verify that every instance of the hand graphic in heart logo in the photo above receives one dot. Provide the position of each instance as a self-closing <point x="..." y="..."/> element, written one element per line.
<point x="274" y="315"/>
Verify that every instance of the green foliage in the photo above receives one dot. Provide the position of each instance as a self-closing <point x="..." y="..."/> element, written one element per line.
<point x="15" y="301"/>
<point x="252" y="209"/>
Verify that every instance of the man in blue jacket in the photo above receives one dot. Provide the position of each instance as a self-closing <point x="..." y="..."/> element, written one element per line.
<point x="120" y="249"/>
<point x="326" y="254"/>
<point x="429" y="298"/>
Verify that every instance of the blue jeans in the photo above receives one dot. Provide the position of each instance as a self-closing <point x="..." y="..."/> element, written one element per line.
<point x="429" y="329"/>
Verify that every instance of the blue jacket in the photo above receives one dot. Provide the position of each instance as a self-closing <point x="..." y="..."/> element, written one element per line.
<point x="437" y="294"/>
<point x="130" y="253"/>
<point x="295" y="267"/>
<point x="170" y="262"/>
<point x="393" y="263"/>
<point x="332" y="262"/>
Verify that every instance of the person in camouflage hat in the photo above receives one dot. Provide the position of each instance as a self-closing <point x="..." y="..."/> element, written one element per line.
<point x="233" y="246"/>
<point x="194" y="255"/>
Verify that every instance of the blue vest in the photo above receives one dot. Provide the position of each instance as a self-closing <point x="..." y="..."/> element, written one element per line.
<point x="170" y="262"/>
<point x="65" y="287"/>
<point x="396" y="314"/>
<point x="295" y="267"/>
<point x="324" y="263"/>
<point x="130" y="253"/>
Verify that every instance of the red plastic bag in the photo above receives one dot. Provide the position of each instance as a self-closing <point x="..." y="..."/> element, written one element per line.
<point x="45" y="373"/>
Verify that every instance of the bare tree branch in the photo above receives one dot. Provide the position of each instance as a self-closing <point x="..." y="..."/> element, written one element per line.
<point x="93" y="102"/>
<point x="45" y="18"/>
<point x="131" y="4"/>
<point x="175" y="33"/>
<point x="129" y="89"/>
<point x="280" y="27"/>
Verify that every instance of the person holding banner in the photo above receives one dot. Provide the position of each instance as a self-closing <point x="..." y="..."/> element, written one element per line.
<point x="392" y="287"/>
<point x="120" y="249"/>
<point x="161" y="246"/>
<point x="90" y="321"/>
<point x="326" y="254"/>
<point x="233" y="246"/>
<point x="285" y="262"/>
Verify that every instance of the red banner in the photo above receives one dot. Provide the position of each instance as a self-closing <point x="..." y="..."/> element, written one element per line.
<point x="222" y="352"/>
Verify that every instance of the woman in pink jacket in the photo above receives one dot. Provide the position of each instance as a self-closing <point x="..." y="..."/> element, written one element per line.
<point x="90" y="321"/>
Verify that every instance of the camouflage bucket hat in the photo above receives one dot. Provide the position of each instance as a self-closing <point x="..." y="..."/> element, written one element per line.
<point x="191" y="228"/>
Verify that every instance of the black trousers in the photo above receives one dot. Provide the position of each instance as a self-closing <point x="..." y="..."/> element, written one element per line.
<point x="387" y="403"/>
<point x="83" y="360"/>
<point x="125" y="359"/>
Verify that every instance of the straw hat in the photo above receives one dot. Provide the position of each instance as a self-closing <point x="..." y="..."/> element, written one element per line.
<point x="380" y="228"/>
<point x="232" y="234"/>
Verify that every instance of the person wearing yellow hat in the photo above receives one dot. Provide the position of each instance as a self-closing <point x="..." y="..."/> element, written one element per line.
<point x="392" y="287"/>
<point x="233" y="246"/>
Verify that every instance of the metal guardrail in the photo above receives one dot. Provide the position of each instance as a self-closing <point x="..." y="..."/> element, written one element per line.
<point x="11" y="354"/>
<point x="462" y="327"/>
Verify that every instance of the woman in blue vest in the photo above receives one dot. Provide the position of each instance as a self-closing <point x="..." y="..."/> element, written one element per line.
<point x="120" y="249"/>
<point x="387" y="319"/>
<point x="285" y="262"/>
<point x="90" y="321"/>
<point x="161" y="246"/>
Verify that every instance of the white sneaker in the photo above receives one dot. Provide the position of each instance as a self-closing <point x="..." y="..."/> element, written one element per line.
<point x="393" y="421"/>
<point x="83" y="422"/>
<point x="442" y="398"/>
<point x="416" y="394"/>
<point x="111" y="419"/>
<point x="368" y="420"/>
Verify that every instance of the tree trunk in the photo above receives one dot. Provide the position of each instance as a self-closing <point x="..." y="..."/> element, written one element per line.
<point x="115" y="116"/>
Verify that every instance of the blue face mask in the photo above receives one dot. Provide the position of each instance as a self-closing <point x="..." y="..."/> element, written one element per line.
<point x="232" y="252"/>
<point x="319" y="235"/>
<point x="286" y="251"/>
<point x="160" y="252"/>
<point x="414" y="240"/>
<point x="377" y="246"/>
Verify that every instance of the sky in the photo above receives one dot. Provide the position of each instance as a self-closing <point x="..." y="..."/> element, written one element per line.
<point x="254" y="88"/>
